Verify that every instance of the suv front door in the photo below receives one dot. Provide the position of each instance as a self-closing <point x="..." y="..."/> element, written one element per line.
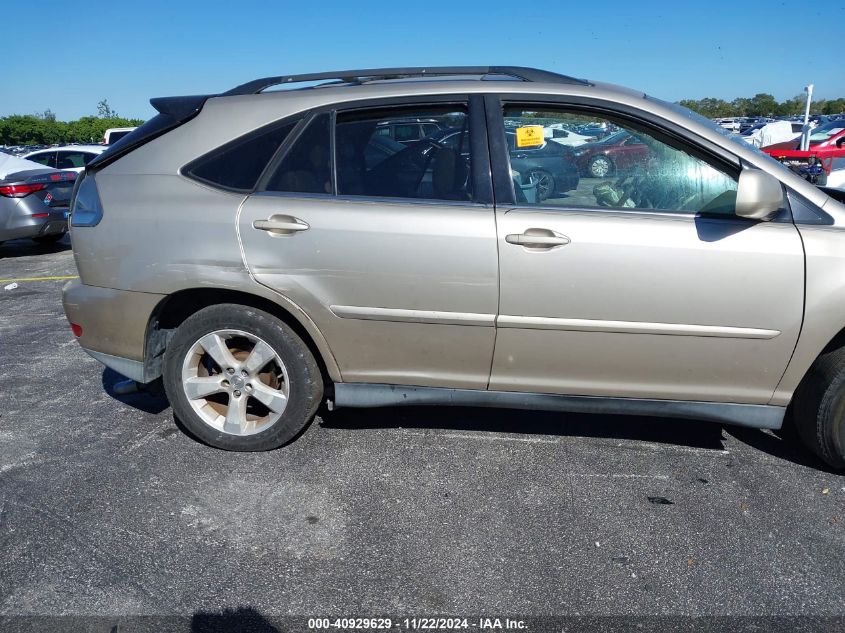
<point x="644" y="285"/>
<point x="393" y="257"/>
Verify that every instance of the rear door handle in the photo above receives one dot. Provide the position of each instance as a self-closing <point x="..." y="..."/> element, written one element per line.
<point x="281" y="225"/>
<point x="537" y="239"/>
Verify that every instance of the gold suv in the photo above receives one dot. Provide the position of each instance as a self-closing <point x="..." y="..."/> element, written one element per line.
<point x="260" y="250"/>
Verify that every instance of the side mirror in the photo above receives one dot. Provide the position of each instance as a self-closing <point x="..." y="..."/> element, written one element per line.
<point x="758" y="195"/>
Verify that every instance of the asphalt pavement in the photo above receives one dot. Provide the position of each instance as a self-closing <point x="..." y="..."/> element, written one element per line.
<point x="107" y="508"/>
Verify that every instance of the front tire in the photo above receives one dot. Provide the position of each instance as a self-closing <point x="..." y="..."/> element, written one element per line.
<point x="241" y="380"/>
<point x="818" y="408"/>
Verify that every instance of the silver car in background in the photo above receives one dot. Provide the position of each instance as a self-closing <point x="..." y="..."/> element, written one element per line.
<point x="253" y="252"/>
<point x="34" y="200"/>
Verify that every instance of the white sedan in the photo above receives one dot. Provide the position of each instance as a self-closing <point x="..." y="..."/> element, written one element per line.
<point x="68" y="157"/>
<point x="559" y="134"/>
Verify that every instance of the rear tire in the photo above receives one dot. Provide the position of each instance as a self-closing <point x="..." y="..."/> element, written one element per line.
<point x="240" y="379"/>
<point x="818" y="408"/>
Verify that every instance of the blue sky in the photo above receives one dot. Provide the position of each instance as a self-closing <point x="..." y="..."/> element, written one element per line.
<point x="128" y="52"/>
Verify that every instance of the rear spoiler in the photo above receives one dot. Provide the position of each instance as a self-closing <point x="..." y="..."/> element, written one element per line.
<point x="172" y="112"/>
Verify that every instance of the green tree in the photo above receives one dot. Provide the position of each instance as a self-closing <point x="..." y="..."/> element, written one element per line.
<point x="104" y="111"/>
<point x="762" y="104"/>
<point x="834" y="106"/>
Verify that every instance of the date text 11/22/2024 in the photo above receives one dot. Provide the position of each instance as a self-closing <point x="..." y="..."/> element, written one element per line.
<point x="416" y="624"/>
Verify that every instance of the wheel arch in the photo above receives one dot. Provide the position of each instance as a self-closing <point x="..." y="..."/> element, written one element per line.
<point x="172" y="311"/>
<point x="799" y="368"/>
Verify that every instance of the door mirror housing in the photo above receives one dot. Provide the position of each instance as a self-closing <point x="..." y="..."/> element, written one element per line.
<point x="758" y="195"/>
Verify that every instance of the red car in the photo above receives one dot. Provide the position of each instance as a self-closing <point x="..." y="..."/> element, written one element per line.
<point x="827" y="142"/>
<point x="616" y="153"/>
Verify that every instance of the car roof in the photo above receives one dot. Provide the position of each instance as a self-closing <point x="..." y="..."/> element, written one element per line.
<point x="216" y="124"/>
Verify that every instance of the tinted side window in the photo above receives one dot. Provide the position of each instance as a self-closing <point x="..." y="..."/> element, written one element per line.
<point x="71" y="160"/>
<point x="237" y="165"/>
<point x="436" y="167"/>
<point x="114" y="137"/>
<point x="306" y="167"/>
<point x="44" y="158"/>
<point x="406" y="132"/>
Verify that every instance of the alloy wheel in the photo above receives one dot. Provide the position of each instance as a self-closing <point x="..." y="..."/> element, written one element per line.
<point x="235" y="382"/>
<point x="600" y="167"/>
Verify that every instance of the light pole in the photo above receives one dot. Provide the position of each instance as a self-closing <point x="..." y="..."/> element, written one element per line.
<point x="805" y="129"/>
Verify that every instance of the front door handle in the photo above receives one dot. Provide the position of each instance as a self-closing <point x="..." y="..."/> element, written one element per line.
<point x="281" y="225"/>
<point x="538" y="239"/>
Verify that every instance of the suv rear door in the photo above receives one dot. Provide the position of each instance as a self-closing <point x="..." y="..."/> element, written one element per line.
<point x="650" y="290"/>
<point x="394" y="259"/>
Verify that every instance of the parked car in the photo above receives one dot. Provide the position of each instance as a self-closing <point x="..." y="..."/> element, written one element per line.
<point x="34" y="200"/>
<point x="114" y="134"/>
<point x="560" y="134"/>
<point x="409" y="131"/>
<point x="595" y="131"/>
<point x="827" y="136"/>
<point x="707" y="286"/>
<point x="826" y="142"/>
<point x="614" y="154"/>
<point x="732" y="124"/>
<point x="69" y="157"/>
<point x="549" y="167"/>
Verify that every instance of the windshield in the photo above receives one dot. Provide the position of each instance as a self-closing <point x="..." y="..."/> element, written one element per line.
<point x="826" y="131"/>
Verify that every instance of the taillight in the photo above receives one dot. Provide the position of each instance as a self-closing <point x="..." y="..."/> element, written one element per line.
<point x="76" y="329"/>
<point x="62" y="176"/>
<point x="21" y="191"/>
<point x="86" y="209"/>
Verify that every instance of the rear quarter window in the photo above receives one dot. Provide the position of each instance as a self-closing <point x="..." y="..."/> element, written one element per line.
<point x="238" y="164"/>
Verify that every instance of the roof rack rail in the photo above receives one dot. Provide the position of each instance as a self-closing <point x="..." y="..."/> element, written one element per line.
<point x="374" y="74"/>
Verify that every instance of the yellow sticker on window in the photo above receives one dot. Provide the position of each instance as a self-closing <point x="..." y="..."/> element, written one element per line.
<point x="529" y="136"/>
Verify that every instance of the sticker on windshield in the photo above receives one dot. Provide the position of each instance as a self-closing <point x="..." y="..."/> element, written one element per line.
<point x="529" y="136"/>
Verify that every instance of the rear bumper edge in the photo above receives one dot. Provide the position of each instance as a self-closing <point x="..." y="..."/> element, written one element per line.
<point x="133" y="369"/>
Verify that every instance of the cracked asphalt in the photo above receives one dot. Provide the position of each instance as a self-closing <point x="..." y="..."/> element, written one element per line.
<point x="107" y="508"/>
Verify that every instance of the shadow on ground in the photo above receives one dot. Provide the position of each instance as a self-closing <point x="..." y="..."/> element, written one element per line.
<point x="783" y="444"/>
<point x="28" y="248"/>
<point x="148" y="399"/>
<point x="662" y="430"/>
<point x="238" y="620"/>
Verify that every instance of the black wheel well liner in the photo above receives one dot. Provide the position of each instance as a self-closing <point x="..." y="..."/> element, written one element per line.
<point x="835" y="343"/>
<point x="175" y="308"/>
